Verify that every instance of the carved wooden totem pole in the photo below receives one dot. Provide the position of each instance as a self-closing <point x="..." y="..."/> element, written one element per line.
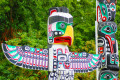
<point x="57" y="59"/>
<point x="106" y="43"/>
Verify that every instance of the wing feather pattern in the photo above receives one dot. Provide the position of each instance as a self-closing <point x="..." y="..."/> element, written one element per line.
<point x="84" y="62"/>
<point x="26" y="57"/>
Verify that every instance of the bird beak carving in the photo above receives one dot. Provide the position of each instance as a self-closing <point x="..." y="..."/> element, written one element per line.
<point x="67" y="38"/>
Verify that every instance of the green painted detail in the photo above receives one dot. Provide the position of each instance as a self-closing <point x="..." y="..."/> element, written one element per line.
<point x="20" y="59"/>
<point x="16" y="56"/>
<point x="112" y="62"/>
<point x="32" y="49"/>
<point x="92" y="63"/>
<point x="89" y="65"/>
<point x="106" y="12"/>
<point x="95" y="55"/>
<point x="13" y="52"/>
<point x="103" y="30"/>
<point x="13" y="47"/>
<point x="111" y="76"/>
<point x="112" y="7"/>
<point x="50" y="37"/>
<point x="113" y="39"/>
<point x="103" y="60"/>
<point x="61" y="26"/>
<point x="41" y="52"/>
<point x="80" y="54"/>
<point x="95" y="59"/>
<point x="116" y="62"/>
<point x="75" y="53"/>
<point x="38" y="49"/>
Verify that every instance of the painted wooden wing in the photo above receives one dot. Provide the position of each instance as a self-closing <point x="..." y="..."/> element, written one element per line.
<point x="84" y="62"/>
<point x="27" y="57"/>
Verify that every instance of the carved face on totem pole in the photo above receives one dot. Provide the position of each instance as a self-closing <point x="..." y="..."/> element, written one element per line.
<point x="106" y="10"/>
<point x="60" y="30"/>
<point x="108" y="75"/>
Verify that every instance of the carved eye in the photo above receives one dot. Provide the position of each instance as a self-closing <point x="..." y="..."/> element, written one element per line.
<point x="107" y="76"/>
<point x="107" y="29"/>
<point x="62" y="58"/>
<point x="62" y="25"/>
<point x="103" y="9"/>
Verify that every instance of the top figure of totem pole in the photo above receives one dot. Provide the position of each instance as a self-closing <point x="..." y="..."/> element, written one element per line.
<point x="106" y="43"/>
<point x="57" y="59"/>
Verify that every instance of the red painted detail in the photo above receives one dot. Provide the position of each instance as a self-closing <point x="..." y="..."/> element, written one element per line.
<point x="41" y="49"/>
<point x="113" y="42"/>
<point x="37" y="54"/>
<point x="110" y="43"/>
<point x="40" y="54"/>
<point x="10" y="54"/>
<point x="67" y="39"/>
<point x="37" y="51"/>
<point x="101" y="52"/>
<point x="66" y="66"/>
<point x="43" y="55"/>
<point x="55" y="56"/>
<point x="46" y="55"/>
<point x="103" y="58"/>
<point x="31" y="53"/>
<point x="34" y="53"/>
<point x="104" y="18"/>
<point x="34" y="64"/>
<point x="7" y="47"/>
<point x="24" y="62"/>
<point x="115" y="79"/>
<point x="27" y="63"/>
<point x="37" y="65"/>
<point x="72" y="53"/>
<point x="112" y="9"/>
<point x="30" y="63"/>
<point x="101" y="48"/>
<point x="117" y="60"/>
<point x="52" y="11"/>
<point x="20" y="62"/>
<point x="113" y="4"/>
<point x="59" y="49"/>
<point x="14" y="59"/>
<point x="60" y="63"/>
<point x="112" y="59"/>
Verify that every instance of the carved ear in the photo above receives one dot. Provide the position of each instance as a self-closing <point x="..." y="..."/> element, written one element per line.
<point x="115" y="1"/>
<point x="58" y="9"/>
<point x="108" y="1"/>
<point x="52" y="10"/>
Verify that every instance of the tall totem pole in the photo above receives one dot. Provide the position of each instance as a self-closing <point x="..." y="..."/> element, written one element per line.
<point x="57" y="59"/>
<point x="106" y="43"/>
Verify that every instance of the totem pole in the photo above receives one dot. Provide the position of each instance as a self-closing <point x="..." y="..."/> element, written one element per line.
<point x="106" y="43"/>
<point x="57" y="59"/>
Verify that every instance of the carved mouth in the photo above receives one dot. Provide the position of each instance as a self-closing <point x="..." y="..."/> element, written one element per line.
<point x="63" y="39"/>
